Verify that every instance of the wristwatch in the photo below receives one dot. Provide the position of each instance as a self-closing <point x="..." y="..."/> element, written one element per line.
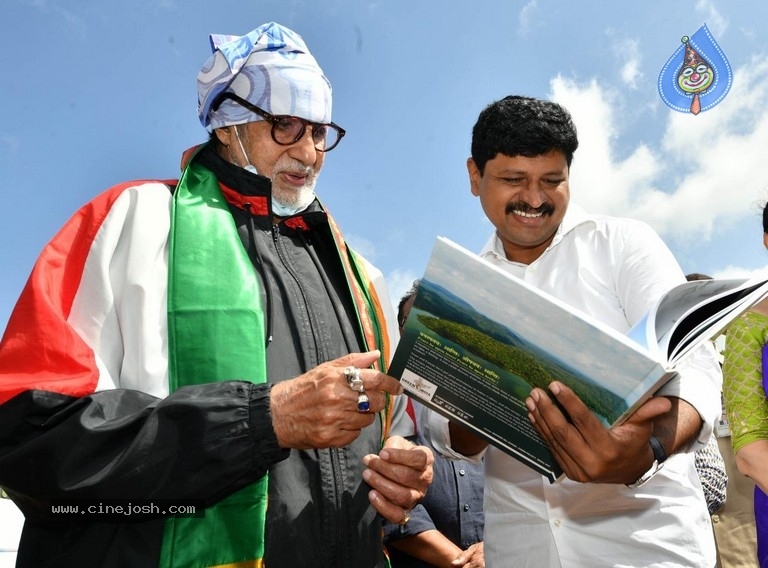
<point x="659" y="457"/>
<point x="658" y="450"/>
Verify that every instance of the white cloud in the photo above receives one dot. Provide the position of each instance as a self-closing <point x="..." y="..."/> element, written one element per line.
<point x="715" y="158"/>
<point x="362" y="246"/>
<point x="715" y="21"/>
<point x="399" y="282"/>
<point x="705" y="169"/>
<point x="627" y="53"/>
<point x="524" y="18"/>
<point x="599" y="180"/>
<point x="9" y="141"/>
<point x="736" y="272"/>
<point x="686" y="175"/>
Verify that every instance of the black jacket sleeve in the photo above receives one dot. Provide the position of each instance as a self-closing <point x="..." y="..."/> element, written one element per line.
<point x="202" y="442"/>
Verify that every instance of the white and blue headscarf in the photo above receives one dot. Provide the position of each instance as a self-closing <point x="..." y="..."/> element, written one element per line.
<point x="269" y="67"/>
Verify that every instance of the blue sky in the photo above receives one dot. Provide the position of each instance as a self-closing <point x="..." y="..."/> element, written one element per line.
<point x="94" y="93"/>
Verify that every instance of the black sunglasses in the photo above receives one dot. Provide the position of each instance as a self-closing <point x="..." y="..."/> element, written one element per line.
<point x="287" y="129"/>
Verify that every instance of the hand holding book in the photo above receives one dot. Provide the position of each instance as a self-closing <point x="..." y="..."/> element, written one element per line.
<point x="585" y="449"/>
<point x="475" y="357"/>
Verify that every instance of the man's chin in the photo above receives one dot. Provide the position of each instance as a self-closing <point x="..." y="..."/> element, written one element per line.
<point x="294" y="198"/>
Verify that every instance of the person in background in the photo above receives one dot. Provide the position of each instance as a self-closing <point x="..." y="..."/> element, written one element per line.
<point x="734" y="522"/>
<point x="212" y="340"/>
<point x="745" y="387"/>
<point x="733" y="516"/>
<point x="708" y="460"/>
<point x="446" y="529"/>
<point x="630" y="495"/>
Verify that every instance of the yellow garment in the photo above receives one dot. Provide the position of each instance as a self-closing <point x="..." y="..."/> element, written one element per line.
<point x="745" y="398"/>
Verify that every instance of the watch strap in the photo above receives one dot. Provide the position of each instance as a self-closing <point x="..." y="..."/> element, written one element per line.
<point x="658" y="450"/>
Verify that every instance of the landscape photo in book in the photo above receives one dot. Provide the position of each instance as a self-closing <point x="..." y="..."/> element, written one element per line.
<point x="473" y="348"/>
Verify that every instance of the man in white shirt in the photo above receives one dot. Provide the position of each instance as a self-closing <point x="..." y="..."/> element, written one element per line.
<point x="616" y="505"/>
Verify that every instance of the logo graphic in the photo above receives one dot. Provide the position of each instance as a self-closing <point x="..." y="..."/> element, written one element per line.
<point x="697" y="76"/>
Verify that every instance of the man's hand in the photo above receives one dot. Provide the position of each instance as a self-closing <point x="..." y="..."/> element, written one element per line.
<point x="472" y="557"/>
<point x="399" y="477"/>
<point x="319" y="409"/>
<point x="585" y="449"/>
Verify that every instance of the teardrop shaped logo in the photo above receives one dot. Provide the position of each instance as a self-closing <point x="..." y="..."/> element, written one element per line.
<point x="697" y="76"/>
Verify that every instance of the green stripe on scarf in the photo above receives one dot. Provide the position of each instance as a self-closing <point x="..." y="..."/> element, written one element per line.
<point x="215" y="332"/>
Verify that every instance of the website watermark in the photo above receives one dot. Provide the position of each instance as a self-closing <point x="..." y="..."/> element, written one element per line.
<point x="124" y="509"/>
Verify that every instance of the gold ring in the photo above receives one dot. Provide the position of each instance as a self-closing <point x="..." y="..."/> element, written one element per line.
<point x="406" y="517"/>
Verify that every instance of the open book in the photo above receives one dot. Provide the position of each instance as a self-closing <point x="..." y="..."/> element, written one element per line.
<point x="478" y="339"/>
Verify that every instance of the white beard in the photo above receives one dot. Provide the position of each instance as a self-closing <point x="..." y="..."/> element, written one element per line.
<point x="288" y="201"/>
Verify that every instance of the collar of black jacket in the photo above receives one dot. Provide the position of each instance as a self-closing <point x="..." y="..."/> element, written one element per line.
<point x="252" y="193"/>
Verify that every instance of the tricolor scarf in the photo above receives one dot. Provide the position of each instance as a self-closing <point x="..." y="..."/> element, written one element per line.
<point x="216" y="332"/>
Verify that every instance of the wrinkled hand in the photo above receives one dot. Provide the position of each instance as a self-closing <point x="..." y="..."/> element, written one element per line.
<point x="399" y="477"/>
<point x="472" y="557"/>
<point x="319" y="410"/>
<point x="585" y="449"/>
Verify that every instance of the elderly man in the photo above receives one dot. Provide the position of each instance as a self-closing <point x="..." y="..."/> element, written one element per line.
<point x="211" y="341"/>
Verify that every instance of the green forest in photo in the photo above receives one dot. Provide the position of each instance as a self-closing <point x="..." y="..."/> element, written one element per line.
<point x="521" y="363"/>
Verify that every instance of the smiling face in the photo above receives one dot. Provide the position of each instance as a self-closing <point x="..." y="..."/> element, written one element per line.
<point x="524" y="198"/>
<point x="695" y="78"/>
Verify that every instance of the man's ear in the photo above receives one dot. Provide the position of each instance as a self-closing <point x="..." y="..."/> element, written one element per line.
<point x="474" y="177"/>
<point x="224" y="135"/>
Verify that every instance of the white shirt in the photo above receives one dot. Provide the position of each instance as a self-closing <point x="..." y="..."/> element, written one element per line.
<point x="612" y="269"/>
<point x="11" y="521"/>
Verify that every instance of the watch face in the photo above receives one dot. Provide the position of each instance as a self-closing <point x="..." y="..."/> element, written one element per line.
<point x="722" y="428"/>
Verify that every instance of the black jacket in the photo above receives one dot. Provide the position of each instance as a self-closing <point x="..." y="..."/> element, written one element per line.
<point x="204" y="442"/>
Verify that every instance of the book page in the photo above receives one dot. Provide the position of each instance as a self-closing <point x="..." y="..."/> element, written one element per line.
<point x="478" y="340"/>
<point x="655" y="330"/>
<point x="709" y="322"/>
<point x="693" y="312"/>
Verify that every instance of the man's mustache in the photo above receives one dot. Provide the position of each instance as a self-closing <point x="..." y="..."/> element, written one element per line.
<point x="522" y="207"/>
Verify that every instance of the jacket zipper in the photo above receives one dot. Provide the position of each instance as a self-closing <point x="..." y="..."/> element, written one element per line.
<point x="333" y="453"/>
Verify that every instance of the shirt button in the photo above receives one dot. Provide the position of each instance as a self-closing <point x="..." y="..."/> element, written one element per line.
<point x="462" y="472"/>
<point x="715" y="518"/>
<point x="557" y="522"/>
<point x="466" y="507"/>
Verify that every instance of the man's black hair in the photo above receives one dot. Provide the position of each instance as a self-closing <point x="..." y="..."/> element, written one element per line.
<point x="765" y="218"/>
<point x="522" y="126"/>
<point x="401" y="315"/>
<point x="697" y="276"/>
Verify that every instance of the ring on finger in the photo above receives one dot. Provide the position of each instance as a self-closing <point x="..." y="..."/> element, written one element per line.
<point x="363" y="402"/>
<point x="406" y="517"/>
<point x="355" y="382"/>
